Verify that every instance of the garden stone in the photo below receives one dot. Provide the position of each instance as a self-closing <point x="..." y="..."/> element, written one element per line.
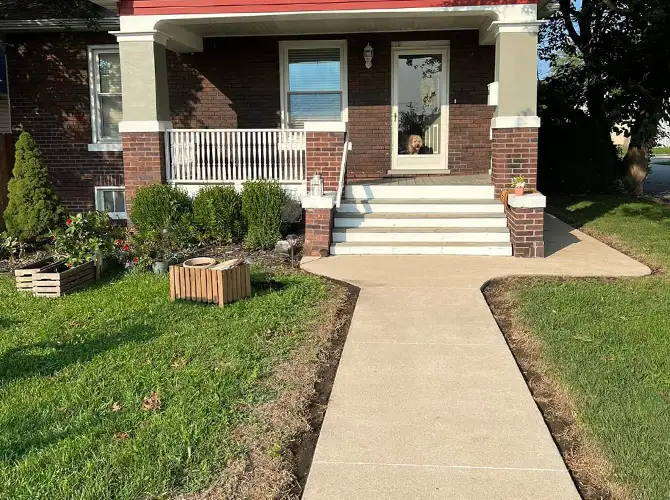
<point x="283" y="246"/>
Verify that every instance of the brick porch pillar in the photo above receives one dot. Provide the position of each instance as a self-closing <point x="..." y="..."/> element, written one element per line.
<point x="324" y="155"/>
<point x="325" y="146"/>
<point x="514" y="154"/>
<point x="525" y="220"/>
<point x="146" y="110"/>
<point x="143" y="161"/>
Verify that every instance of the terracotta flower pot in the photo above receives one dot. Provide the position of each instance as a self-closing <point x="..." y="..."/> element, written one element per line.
<point x="518" y="191"/>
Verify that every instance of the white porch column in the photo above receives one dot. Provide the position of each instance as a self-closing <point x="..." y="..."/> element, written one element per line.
<point x="146" y="105"/>
<point x="515" y="89"/>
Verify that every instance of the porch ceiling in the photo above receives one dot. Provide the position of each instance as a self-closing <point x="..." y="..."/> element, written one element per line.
<point x="362" y="23"/>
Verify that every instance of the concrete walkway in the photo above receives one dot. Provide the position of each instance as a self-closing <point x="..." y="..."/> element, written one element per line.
<point x="428" y="402"/>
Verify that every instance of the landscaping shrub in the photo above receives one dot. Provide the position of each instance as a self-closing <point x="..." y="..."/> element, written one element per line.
<point x="83" y="236"/>
<point x="163" y="215"/>
<point x="262" y="205"/>
<point x="217" y="212"/>
<point x="34" y="208"/>
<point x="9" y="246"/>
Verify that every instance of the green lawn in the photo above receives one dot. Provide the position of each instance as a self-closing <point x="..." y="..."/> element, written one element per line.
<point x="74" y="373"/>
<point x="661" y="151"/>
<point x="608" y="341"/>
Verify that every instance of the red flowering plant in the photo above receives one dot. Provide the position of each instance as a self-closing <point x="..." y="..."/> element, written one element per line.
<point x="84" y="237"/>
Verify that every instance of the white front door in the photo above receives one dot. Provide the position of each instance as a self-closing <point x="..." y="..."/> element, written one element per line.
<point x="420" y="107"/>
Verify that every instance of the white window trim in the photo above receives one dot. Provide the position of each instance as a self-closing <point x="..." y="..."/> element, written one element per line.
<point x="99" y="204"/>
<point x="98" y="144"/>
<point x="285" y="46"/>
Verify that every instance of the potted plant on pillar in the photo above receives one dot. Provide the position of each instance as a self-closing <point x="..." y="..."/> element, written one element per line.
<point x="518" y="184"/>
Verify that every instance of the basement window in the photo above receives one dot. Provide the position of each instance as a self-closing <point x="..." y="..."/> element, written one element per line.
<point x="111" y="200"/>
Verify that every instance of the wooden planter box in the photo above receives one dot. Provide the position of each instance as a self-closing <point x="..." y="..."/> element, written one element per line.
<point x="210" y="285"/>
<point x="57" y="280"/>
<point x="24" y="274"/>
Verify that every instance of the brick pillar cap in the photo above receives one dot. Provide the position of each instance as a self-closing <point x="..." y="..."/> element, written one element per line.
<point x="531" y="200"/>
<point x="326" y="201"/>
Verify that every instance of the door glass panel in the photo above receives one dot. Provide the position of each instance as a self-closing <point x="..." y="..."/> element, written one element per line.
<point x="419" y="115"/>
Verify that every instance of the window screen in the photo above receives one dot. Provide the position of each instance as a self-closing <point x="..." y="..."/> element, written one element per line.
<point x="314" y="85"/>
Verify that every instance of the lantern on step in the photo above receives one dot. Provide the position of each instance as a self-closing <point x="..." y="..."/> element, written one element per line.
<point x="316" y="185"/>
<point x="368" y="54"/>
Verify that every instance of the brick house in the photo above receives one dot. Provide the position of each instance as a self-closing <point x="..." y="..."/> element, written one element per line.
<point x="415" y="113"/>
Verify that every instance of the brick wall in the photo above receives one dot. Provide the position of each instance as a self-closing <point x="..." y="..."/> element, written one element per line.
<point x="526" y="226"/>
<point x="324" y="157"/>
<point x="514" y="154"/>
<point x="234" y="83"/>
<point x="143" y="161"/>
<point x="48" y="81"/>
<point x="318" y="232"/>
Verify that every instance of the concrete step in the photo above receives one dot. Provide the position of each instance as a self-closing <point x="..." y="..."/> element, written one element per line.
<point x="420" y="220"/>
<point x="412" y="248"/>
<point x="425" y="235"/>
<point x="394" y="205"/>
<point x="374" y="191"/>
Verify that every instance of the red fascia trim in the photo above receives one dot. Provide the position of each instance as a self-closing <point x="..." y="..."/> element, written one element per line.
<point x="165" y="7"/>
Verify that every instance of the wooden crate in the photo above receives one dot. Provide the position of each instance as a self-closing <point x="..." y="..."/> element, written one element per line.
<point x="24" y="275"/>
<point x="210" y="285"/>
<point x="54" y="281"/>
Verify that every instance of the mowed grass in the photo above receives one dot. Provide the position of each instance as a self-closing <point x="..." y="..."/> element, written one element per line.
<point x="609" y="341"/>
<point x="75" y="371"/>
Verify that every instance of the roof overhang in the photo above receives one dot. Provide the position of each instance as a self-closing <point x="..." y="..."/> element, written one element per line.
<point x="30" y="25"/>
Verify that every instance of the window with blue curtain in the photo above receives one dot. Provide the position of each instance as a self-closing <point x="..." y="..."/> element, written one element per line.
<point x="314" y="85"/>
<point x="3" y="72"/>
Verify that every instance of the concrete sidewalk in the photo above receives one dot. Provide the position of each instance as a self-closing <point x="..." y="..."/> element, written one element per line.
<point x="428" y="402"/>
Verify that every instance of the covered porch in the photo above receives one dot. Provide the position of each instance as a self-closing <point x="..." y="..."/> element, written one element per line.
<point x="285" y="96"/>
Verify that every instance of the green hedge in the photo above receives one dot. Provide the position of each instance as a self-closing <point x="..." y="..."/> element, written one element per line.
<point x="262" y="205"/>
<point x="217" y="212"/>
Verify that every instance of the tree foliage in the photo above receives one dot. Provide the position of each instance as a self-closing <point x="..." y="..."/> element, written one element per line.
<point x="622" y="49"/>
<point x="34" y="208"/>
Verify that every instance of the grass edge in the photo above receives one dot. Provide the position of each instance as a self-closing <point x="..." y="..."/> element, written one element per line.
<point x="589" y="467"/>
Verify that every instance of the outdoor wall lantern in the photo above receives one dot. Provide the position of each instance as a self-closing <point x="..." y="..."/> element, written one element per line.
<point x="368" y="53"/>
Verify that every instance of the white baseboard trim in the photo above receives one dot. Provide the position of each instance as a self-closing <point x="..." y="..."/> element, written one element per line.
<point x="144" y="126"/>
<point x="515" y="122"/>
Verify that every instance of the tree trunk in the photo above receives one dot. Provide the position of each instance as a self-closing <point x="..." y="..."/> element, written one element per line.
<point x="637" y="167"/>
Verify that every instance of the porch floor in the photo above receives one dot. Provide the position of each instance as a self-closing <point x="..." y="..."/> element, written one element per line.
<point x="433" y="180"/>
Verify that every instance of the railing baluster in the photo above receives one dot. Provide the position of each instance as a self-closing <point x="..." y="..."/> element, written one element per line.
<point x="220" y="145"/>
<point x="292" y="155"/>
<point x="238" y="156"/>
<point x="226" y="137"/>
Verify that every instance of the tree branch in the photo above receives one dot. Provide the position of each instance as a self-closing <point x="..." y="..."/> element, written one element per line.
<point x="567" y="11"/>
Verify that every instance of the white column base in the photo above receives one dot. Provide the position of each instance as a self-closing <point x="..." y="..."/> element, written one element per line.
<point x="144" y="126"/>
<point x="515" y="122"/>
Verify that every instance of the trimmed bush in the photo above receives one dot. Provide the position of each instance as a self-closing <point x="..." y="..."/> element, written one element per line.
<point x="34" y="208"/>
<point x="164" y="213"/>
<point x="262" y="205"/>
<point x="217" y="212"/>
<point x="160" y="206"/>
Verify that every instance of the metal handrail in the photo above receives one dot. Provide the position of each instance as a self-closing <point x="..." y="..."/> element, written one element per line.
<point x="343" y="170"/>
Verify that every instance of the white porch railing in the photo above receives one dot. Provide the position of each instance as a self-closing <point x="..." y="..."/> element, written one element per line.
<point x="202" y="156"/>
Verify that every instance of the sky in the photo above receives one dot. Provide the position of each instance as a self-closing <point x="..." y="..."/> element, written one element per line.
<point x="543" y="66"/>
